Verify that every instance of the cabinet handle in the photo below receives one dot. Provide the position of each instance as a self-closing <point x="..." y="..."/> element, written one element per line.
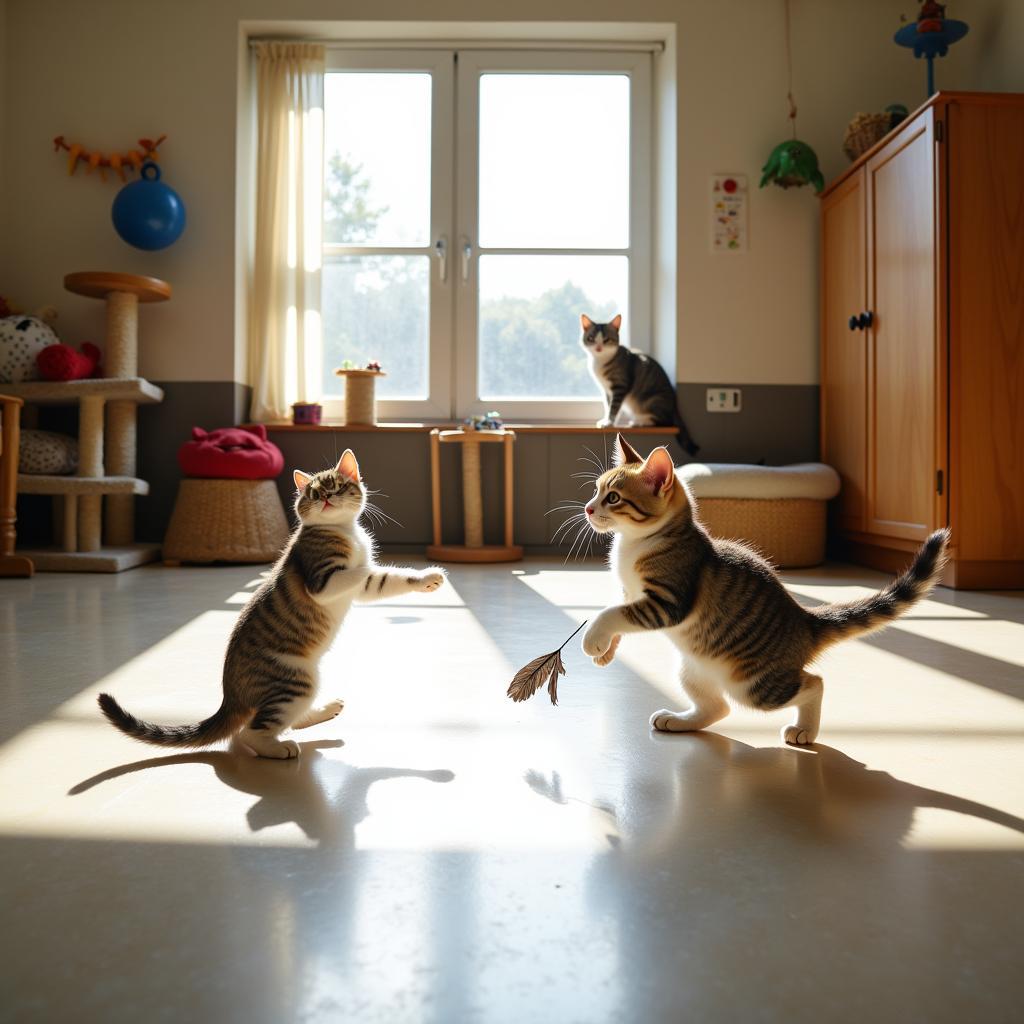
<point x="866" y="319"/>
<point x="852" y="322"/>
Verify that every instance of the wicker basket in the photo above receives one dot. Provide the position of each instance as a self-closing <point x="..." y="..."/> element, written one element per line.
<point x="226" y="521"/>
<point x="789" y="532"/>
<point x="864" y="131"/>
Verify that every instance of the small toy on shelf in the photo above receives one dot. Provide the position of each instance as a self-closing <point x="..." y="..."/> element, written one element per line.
<point x="22" y="338"/>
<point x="62" y="362"/>
<point x="307" y="413"/>
<point x="488" y="421"/>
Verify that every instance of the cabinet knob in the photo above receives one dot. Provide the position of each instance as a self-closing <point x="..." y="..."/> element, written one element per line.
<point x="853" y="323"/>
<point x="865" y="319"/>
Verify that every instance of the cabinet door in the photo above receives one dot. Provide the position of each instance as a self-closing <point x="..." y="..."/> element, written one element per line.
<point x="902" y="341"/>
<point x="843" y="349"/>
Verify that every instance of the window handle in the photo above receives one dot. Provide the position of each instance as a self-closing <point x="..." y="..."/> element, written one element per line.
<point x="441" y="249"/>
<point x="467" y="255"/>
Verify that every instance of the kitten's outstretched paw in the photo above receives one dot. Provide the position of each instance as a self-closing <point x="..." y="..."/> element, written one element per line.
<point x="596" y="643"/>
<point x="606" y="658"/>
<point x="333" y="708"/>
<point x="430" y="579"/>
<point x="798" y="736"/>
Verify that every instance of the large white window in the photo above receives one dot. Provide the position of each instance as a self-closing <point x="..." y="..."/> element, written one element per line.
<point x="475" y="204"/>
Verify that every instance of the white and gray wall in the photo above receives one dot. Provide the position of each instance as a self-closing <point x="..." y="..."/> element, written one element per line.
<point x="110" y="71"/>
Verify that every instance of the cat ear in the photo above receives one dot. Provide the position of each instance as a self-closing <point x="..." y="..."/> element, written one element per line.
<point x="659" y="473"/>
<point x="300" y="478"/>
<point x="585" y="322"/>
<point x="624" y="452"/>
<point x="617" y="322"/>
<point x="347" y="466"/>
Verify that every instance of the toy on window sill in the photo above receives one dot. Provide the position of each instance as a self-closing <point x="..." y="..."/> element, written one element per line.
<point x="489" y="421"/>
<point x="62" y="362"/>
<point x="530" y="678"/>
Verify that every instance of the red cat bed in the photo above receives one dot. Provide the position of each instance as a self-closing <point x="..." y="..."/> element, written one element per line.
<point x="231" y="453"/>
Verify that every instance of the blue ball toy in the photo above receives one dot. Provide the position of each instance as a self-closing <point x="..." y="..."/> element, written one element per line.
<point x="147" y="213"/>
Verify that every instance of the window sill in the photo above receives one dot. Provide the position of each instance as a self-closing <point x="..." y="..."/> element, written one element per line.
<point x="423" y="428"/>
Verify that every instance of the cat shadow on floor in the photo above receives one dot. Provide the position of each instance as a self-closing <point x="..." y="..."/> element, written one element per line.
<point x="326" y="798"/>
<point x="773" y="862"/>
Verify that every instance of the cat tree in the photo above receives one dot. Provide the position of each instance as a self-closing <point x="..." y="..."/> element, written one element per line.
<point x="106" y="437"/>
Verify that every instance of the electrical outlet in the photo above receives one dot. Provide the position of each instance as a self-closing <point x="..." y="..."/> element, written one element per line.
<point x="724" y="400"/>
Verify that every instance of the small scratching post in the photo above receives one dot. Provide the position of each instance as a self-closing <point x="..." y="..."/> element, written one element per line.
<point x="360" y="395"/>
<point x="474" y="549"/>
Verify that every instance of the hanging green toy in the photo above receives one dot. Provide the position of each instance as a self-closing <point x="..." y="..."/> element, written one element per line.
<point x="792" y="163"/>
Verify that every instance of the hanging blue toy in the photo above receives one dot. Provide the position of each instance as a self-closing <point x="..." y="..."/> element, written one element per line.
<point x="147" y="213"/>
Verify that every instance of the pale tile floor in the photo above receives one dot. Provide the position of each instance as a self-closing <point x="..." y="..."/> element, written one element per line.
<point x="441" y="854"/>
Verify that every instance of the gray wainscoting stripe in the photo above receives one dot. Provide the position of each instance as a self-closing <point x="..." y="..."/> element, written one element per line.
<point x="777" y="424"/>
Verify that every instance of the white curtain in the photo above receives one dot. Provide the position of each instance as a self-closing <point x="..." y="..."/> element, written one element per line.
<point x="284" y="290"/>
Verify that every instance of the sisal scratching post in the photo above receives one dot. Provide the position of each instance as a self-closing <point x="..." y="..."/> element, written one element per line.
<point x="122" y="294"/>
<point x="122" y="360"/>
<point x="90" y="463"/>
<point x="472" y="498"/>
<point x="474" y="549"/>
<point x="360" y="395"/>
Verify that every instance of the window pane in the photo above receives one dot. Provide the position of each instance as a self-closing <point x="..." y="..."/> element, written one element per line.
<point x="554" y="161"/>
<point x="377" y="158"/>
<point x="530" y="322"/>
<point x="377" y="307"/>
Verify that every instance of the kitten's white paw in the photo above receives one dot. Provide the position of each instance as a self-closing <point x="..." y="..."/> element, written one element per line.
<point x="604" y="423"/>
<point x="798" y="736"/>
<point x="671" y="721"/>
<point x="430" y="579"/>
<point x="604" y="659"/>
<point x="283" y="751"/>
<point x="596" y="642"/>
<point x="333" y="708"/>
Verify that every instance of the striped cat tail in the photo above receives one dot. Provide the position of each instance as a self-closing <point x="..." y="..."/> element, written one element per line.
<point x="855" y="618"/>
<point x="218" y="726"/>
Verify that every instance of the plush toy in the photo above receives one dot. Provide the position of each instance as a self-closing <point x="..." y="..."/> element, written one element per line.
<point x="234" y="453"/>
<point x="22" y="338"/>
<point x="62" y="362"/>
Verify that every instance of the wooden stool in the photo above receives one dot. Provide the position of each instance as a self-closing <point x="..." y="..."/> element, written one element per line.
<point x="474" y="550"/>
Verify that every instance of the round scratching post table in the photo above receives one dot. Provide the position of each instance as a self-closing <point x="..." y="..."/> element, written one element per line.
<point x="360" y="395"/>
<point x="113" y="449"/>
<point x="474" y="550"/>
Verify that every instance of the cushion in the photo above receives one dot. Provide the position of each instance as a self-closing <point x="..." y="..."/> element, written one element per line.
<point x="43" y="451"/>
<point x="231" y="453"/>
<point x="22" y="338"/>
<point x="736" y="480"/>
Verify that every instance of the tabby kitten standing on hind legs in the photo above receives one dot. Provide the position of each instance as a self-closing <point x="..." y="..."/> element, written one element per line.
<point x="271" y="670"/>
<point x="738" y="629"/>
<point x="633" y="382"/>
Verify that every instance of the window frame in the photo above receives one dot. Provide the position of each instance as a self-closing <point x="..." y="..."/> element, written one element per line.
<point x="471" y="65"/>
<point x="440" y="65"/>
<point x="454" y="215"/>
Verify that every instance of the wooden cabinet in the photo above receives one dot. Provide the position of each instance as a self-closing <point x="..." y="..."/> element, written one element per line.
<point x="922" y="330"/>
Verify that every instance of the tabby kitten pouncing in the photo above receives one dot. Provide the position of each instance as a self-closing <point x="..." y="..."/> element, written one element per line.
<point x="271" y="670"/>
<point x="740" y="632"/>
<point x="633" y="383"/>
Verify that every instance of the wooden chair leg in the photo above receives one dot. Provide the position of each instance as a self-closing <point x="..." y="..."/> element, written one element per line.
<point x="10" y="563"/>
